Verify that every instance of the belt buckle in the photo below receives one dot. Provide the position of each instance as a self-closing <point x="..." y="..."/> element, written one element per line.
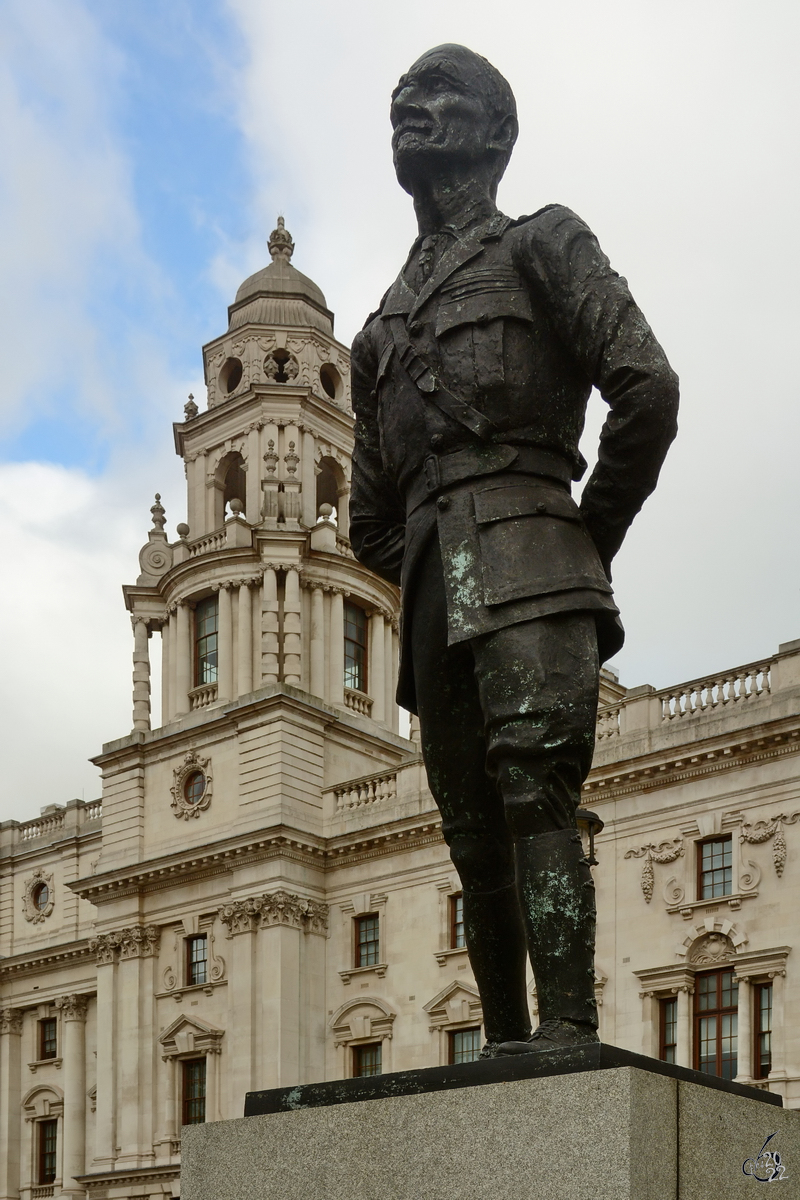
<point x="432" y="473"/>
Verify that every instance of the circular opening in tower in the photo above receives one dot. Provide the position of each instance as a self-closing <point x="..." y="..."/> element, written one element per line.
<point x="231" y="375"/>
<point x="41" y="896"/>
<point x="194" y="787"/>
<point x="331" y="380"/>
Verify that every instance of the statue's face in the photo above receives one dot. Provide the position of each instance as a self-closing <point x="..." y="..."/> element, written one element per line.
<point x="438" y="115"/>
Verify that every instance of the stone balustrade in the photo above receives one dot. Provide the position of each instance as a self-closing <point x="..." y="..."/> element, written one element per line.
<point x="203" y="696"/>
<point x="358" y="702"/>
<point x="373" y="789"/>
<point x="208" y="544"/>
<point x="741" y="684"/>
<point x="57" y="821"/>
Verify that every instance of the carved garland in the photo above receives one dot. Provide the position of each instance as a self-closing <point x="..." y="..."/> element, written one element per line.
<point x="762" y="831"/>
<point x="183" y="807"/>
<point x="664" y="852"/>
<point x="35" y="907"/>
<point x="136" y="941"/>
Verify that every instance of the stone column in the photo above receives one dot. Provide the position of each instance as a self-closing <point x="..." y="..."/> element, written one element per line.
<point x="141" y="675"/>
<point x="137" y="944"/>
<point x="388" y="659"/>
<point x="336" y="647"/>
<point x="292" y="629"/>
<point x="252" y="477"/>
<point x="778" y="1025"/>
<point x="166" y="643"/>
<point x="377" y="675"/>
<point x="744" y="1028"/>
<point x="395" y="673"/>
<point x="106" y="1104"/>
<point x="183" y="653"/>
<point x="169" y="1127"/>
<point x="225" y="667"/>
<point x="73" y="1155"/>
<point x="308" y="476"/>
<point x="269" y="627"/>
<point x="241" y="919"/>
<point x="245" y="648"/>
<point x="343" y="510"/>
<point x="212" y="1085"/>
<point x="683" y="1050"/>
<point x="317" y="672"/>
<point x="10" y="1067"/>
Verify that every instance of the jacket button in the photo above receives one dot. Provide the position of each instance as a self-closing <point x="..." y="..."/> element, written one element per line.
<point x="437" y="441"/>
<point x="482" y="318"/>
<point x="414" y="327"/>
<point x="443" y="502"/>
<point x="541" y="507"/>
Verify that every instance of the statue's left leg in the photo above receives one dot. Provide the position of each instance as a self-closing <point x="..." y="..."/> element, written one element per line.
<point x="538" y="684"/>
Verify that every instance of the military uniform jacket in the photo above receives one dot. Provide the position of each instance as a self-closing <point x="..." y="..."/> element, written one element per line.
<point x="517" y="320"/>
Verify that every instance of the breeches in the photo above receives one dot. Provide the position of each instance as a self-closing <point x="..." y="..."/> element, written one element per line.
<point x="507" y="723"/>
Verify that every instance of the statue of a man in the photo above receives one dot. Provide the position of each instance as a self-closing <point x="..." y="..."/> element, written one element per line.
<point x="470" y="386"/>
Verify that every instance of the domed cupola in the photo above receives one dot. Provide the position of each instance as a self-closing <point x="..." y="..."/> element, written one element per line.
<point x="280" y="294"/>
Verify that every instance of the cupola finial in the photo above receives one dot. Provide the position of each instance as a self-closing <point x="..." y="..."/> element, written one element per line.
<point x="280" y="242"/>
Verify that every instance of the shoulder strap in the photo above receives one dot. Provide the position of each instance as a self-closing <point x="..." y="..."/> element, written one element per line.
<point x="433" y="391"/>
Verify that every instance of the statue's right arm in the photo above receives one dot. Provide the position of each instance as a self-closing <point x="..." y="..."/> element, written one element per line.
<point x="377" y="514"/>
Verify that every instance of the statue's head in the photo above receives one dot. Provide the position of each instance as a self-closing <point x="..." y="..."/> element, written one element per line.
<point x="452" y="107"/>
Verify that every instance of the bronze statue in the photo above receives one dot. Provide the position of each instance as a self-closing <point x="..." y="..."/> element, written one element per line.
<point x="470" y="386"/>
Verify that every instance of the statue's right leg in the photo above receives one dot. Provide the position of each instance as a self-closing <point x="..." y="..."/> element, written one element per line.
<point x="473" y="820"/>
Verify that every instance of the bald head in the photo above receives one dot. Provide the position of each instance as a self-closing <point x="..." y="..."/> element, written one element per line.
<point x="453" y="102"/>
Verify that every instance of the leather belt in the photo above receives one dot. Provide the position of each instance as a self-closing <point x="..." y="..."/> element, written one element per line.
<point x="440" y="471"/>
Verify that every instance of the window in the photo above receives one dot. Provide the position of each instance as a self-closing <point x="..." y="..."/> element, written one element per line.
<point x="457" y="938"/>
<point x="48" y="1038"/>
<point x="194" y="1091"/>
<point x="465" y="1045"/>
<point x="367" y="1060"/>
<point x="668" y="1029"/>
<point x="355" y="648"/>
<point x="368" y="943"/>
<point x="41" y="896"/>
<point x="715" y="1023"/>
<point x="714" y="868"/>
<point x="196" y="960"/>
<point x="194" y="787"/>
<point x="762" y="1008"/>
<point x="206" y="624"/>
<point x="48" y="1140"/>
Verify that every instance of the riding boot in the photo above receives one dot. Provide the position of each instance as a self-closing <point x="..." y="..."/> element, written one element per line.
<point x="495" y="938"/>
<point x="556" y="894"/>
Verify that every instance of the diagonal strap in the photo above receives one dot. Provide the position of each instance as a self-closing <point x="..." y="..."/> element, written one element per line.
<point x="433" y="391"/>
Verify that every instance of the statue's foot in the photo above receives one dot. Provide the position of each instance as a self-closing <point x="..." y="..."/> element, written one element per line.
<point x="490" y="1050"/>
<point x="552" y="1035"/>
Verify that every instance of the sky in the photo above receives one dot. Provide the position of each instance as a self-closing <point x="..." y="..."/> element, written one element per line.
<point x="147" y="149"/>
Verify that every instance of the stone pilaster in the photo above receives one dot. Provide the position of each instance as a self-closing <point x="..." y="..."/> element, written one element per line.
<point x="141" y="674"/>
<point x="73" y="1024"/>
<point x="10" y="1067"/>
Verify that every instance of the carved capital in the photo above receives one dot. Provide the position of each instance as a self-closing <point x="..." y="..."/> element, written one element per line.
<point x="10" y="1020"/>
<point x="73" y="1006"/>
<point x="135" y="941"/>
<point x="275" y="908"/>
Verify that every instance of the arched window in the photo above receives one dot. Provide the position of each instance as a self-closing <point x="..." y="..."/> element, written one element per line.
<point x="330" y="483"/>
<point x="230" y="482"/>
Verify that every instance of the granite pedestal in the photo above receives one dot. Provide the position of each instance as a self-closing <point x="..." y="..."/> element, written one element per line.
<point x="593" y="1124"/>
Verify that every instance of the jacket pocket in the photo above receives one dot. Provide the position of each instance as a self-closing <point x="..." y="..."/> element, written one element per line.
<point x="482" y="307"/>
<point x="532" y="541"/>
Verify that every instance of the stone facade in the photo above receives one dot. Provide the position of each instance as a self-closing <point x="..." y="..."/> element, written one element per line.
<point x="277" y="815"/>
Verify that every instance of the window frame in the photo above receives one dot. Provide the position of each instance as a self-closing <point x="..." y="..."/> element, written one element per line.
<point x="722" y="839"/>
<point x="758" y="1032"/>
<point x="42" y="1054"/>
<point x="456" y="921"/>
<point x="359" y="945"/>
<point x="452" y="1034"/>
<point x="186" y="1100"/>
<point x="362" y="646"/>
<point x="357" y="1050"/>
<point x="43" y="1177"/>
<point x="664" y="1047"/>
<point x="719" y="1012"/>
<point x="190" y="962"/>
<point x="199" y="659"/>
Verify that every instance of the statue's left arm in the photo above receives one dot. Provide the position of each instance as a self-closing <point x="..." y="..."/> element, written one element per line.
<point x="598" y="320"/>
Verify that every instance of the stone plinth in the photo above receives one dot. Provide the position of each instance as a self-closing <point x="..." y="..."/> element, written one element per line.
<point x="622" y="1128"/>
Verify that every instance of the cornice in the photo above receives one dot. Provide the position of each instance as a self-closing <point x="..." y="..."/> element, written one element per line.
<point x="35" y="961"/>
<point x="104" y="1179"/>
<point x="217" y="858"/>
<point x="650" y="772"/>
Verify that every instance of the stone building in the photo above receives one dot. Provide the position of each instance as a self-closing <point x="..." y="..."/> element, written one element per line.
<point x="270" y="854"/>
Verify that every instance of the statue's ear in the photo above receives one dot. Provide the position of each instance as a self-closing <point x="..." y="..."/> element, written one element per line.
<point x="503" y="134"/>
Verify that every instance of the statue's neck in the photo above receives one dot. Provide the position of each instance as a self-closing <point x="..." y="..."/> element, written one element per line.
<point x="451" y="201"/>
